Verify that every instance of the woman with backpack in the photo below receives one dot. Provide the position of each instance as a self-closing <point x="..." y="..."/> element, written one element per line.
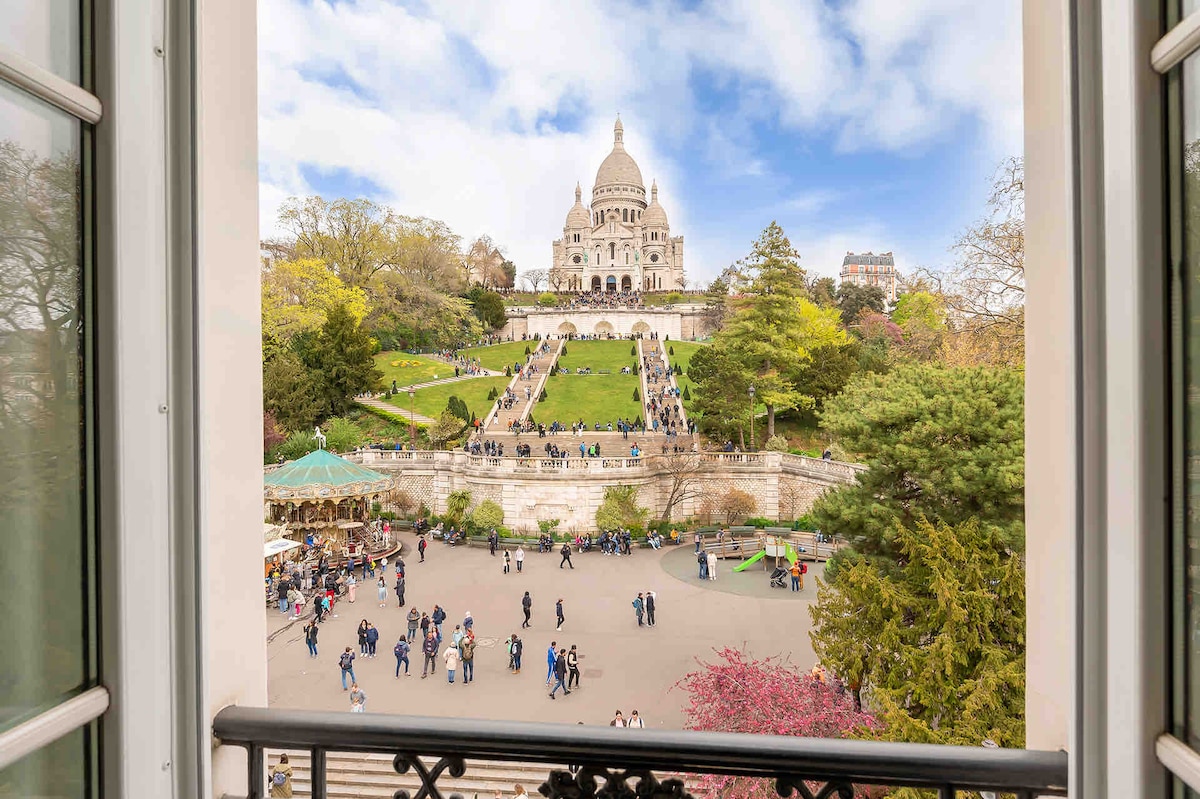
<point x="281" y="778"/>
<point x="401" y="650"/>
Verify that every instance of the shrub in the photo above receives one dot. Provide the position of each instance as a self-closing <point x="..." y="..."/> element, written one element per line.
<point x="637" y="397"/>
<point x="542" y="396"/>
<point x="342" y="435"/>
<point x="736" y="504"/>
<point x="493" y="394"/>
<point x="487" y="515"/>
<point x="687" y="395"/>
<point x="548" y="526"/>
<point x="547" y="300"/>
<point x="671" y="350"/>
<point x="564" y="350"/>
<point x="527" y="350"/>
<point x="638" y="421"/>
<point x="457" y="407"/>
<point x="760" y="521"/>
<point x="677" y="369"/>
<point x="633" y="350"/>
<point x="776" y="443"/>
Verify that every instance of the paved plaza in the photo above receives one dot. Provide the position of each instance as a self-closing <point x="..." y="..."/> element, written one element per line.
<point x="623" y="666"/>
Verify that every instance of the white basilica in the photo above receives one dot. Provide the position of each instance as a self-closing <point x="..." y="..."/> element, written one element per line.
<point x="620" y="243"/>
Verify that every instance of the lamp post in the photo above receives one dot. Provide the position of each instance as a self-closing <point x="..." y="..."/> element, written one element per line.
<point x="412" y="418"/>
<point x="752" y="449"/>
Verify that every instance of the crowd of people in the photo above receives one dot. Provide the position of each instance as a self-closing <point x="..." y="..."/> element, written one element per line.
<point x="606" y="299"/>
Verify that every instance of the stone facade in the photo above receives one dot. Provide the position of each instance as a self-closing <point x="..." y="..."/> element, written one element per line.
<point x="534" y="489"/>
<point x="680" y="323"/>
<point x="620" y="243"/>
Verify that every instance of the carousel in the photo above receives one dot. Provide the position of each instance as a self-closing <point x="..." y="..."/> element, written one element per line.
<point x="324" y="503"/>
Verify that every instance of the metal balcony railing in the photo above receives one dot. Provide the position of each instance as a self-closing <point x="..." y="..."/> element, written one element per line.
<point x="618" y="764"/>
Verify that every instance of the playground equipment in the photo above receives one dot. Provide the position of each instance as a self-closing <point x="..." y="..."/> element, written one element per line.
<point x="774" y="548"/>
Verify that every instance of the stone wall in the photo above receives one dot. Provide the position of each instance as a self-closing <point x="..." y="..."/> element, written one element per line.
<point x="684" y="322"/>
<point x="571" y="490"/>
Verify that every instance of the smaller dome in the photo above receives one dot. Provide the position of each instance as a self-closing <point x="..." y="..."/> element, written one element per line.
<point x="578" y="216"/>
<point x="655" y="215"/>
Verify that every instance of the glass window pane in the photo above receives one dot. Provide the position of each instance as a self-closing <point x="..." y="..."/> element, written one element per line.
<point x="47" y="32"/>
<point x="47" y="605"/>
<point x="62" y="770"/>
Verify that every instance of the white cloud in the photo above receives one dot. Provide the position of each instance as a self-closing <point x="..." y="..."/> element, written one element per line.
<point x="445" y="108"/>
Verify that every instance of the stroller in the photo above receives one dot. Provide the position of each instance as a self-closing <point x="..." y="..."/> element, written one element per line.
<point x="778" y="576"/>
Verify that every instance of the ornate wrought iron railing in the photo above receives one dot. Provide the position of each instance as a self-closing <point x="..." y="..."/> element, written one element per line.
<point x="620" y="764"/>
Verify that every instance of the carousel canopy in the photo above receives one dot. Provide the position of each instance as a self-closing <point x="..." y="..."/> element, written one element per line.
<point x="322" y="475"/>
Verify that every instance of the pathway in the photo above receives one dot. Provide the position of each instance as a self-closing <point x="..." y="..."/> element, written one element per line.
<point x="526" y="386"/>
<point x="395" y="410"/>
<point x="652" y="352"/>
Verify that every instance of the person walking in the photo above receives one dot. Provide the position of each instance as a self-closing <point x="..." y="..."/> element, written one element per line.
<point x="468" y="622"/>
<point x="296" y="600"/>
<point x="518" y="648"/>
<point x="414" y="619"/>
<point x="421" y="547"/>
<point x="467" y="655"/>
<point x="358" y="699"/>
<point x="651" y="604"/>
<point x="401" y="650"/>
<point x="310" y="637"/>
<point x="493" y="540"/>
<point x="560" y="674"/>
<point x="551" y="659"/>
<point x="438" y="617"/>
<point x="424" y="624"/>
<point x="351" y="587"/>
<point x="381" y="590"/>
<point x="519" y="557"/>
<point x="566" y="556"/>
<point x="639" y="608"/>
<point x="527" y="606"/>
<point x="618" y="720"/>
<point x="712" y="565"/>
<point x="430" y="649"/>
<point x="795" y="572"/>
<point x="372" y="639"/>
<point x="281" y="779"/>
<point x="698" y="540"/>
<point x="451" y="658"/>
<point x="702" y="559"/>
<point x="400" y="591"/>
<point x="558" y="610"/>
<point x="346" y="664"/>
<point x="573" y="667"/>
<point x="634" y="720"/>
<point x="507" y="560"/>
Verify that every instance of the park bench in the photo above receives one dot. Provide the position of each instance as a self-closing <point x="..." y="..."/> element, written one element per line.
<point x="604" y="372"/>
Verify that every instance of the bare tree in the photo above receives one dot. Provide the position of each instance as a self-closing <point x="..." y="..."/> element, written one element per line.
<point x="534" y="278"/>
<point x="737" y="504"/>
<point x="558" y="278"/>
<point x="685" y="470"/>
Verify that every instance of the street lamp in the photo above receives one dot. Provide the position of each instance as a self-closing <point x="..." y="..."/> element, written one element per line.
<point x="412" y="418"/>
<point x="752" y="418"/>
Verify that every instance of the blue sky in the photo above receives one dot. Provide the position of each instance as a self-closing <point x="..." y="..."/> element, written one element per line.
<point x="858" y="124"/>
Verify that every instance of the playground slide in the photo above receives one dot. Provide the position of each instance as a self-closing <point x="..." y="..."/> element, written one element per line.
<point x="755" y="559"/>
<point x="792" y="556"/>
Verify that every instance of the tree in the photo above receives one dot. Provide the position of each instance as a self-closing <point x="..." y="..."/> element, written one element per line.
<point x="937" y="646"/>
<point x="509" y="271"/>
<point x="487" y="515"/>
<point x="534" y="278"/>
<point x="716" y="302"/>
<point x="457" y="407"/>
<point x="341" y="362"/>
<point x="557" y="278"/>
<point x="741" y="694"/>
<point x="547" y="300"/>
<point x="289" y="392"/>
<point x="823" y="291"/>
<point x="685" y="470"/>
<point x="722" y="401"/>
<point x="947" y="445"/>
<point x="484" y="264"/>
<point x="737" y="504"/>
<point x="356" y="238"/>
<point x="297" y="296"/>
<point x="489" y="308"/>
<point x="457" y="503"/>
<point x="620" y="509"/>
<point x="827" y="371"/>
<point x="853" y="299"/>
<point x="272" y="435"/>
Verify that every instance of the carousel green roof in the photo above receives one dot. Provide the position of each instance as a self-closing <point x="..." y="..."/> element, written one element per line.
<point x="323" y="475"/>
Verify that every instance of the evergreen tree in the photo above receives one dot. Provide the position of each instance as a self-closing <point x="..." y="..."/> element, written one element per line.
<point x="289" y="392"/>
<point x="457" y="407"/>
<point x="853" y="299"/>
<point x="687" y="395"/>
<point x="637" y="397"/>
<point x="489" y="309"/>
<point x="722" y="403"/>
<point x="939" y="644"/>
<point x="947" y="445"/>
<point x="341" y="362"/>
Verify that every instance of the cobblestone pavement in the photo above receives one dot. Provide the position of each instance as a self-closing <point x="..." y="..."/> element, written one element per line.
<point x="623" y="666"/>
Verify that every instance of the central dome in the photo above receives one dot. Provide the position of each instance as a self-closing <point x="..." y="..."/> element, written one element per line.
<point x="619" y="166"/>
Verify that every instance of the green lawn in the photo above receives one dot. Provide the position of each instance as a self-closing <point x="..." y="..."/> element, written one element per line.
<point x="684" y="350"/>
<point x="431" y="401"/>
<point x="415" y="368"/>
<point x="498" y="356"/>
<point x="593" y="398"/>
<point x="597" y="355"/>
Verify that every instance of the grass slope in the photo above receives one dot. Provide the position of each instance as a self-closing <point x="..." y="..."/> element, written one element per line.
<point x="595" y="397"/>
<point x="418" y="368"/>
<point x="498" y="356"/>
<point x="431" y="401"/>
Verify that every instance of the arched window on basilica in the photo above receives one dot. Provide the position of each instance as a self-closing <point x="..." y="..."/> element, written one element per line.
<point x="612" y="251"/>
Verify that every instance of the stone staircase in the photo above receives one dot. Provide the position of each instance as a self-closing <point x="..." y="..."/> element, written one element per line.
<point x="498" y="420"/>
<point x="372" y="776"/>
<point x="652" y="352"/>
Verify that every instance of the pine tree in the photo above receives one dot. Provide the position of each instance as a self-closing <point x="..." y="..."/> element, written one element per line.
<point x="671" y="350"/>
<point x="542" y="396"/>
<point x="687" y="395"/>
<point x="633" y="350"/>
<point x="341" y="362"/>
<point x="637" y="397"/>
<point x="939" y="643"/>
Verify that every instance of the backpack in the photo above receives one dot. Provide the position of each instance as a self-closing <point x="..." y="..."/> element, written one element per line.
<point x="278" y="778"/>
<point x="401" y="649"/>
<point x="804" y="568"/>
<point x="344" y="661"/>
